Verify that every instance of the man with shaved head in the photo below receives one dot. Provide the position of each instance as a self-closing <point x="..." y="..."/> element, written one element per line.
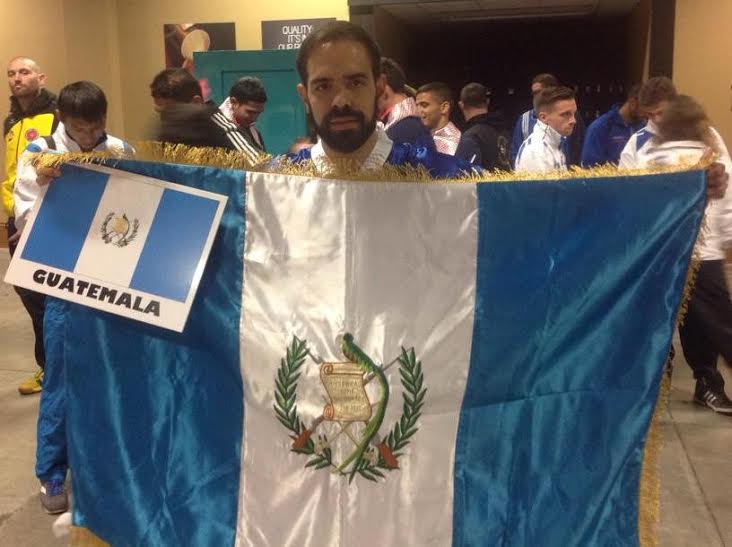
<point x="32" y="115"/>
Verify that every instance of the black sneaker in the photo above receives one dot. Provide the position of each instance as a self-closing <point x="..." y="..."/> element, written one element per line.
<point x="714" y="398"/>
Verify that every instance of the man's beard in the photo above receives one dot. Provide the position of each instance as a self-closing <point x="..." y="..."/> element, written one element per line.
<point x="345" y="141"/>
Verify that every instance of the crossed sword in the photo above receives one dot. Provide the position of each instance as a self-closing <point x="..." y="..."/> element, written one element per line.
<point x="346" y="428"/>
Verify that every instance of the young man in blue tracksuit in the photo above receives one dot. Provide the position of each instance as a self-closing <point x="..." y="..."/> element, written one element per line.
<point x="82" y="109"/>
<point x="607" y="135"/>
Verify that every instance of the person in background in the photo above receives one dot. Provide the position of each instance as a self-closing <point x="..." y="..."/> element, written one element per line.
<point x="82" y="111"/>
<point x="398" y="110"/>
<point x="572" y="147"/>
<point x="682" y="135"/>
<point x="32" y="115"/>
<point x="247" y="98"/>
<point x="607" y="135"/>
<point x="434" y="102"/>
<point x="479" y="135"/>
<point x="185" y="118"/>
<point x="543" y="150"/>
<point x="653" y="97"/>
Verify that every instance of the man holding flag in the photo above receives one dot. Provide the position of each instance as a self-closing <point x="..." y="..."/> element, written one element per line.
<point x="388" y="362"/>
<point x="340" y="82"/>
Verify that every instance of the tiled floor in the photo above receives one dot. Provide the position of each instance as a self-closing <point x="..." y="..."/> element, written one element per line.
<point x="696" y="468"/>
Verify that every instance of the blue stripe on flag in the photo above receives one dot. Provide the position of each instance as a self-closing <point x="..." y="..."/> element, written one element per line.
<point x="576" y="299"/>
<point x="174" y="245"/>
<point x="63" y="222"/>
<point x="171" y="450"/>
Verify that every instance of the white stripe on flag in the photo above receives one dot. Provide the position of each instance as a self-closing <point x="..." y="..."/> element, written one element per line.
<point x="394" y="264"/>
<point x="115" y="261"/>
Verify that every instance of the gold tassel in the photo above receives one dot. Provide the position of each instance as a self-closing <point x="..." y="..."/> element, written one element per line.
<point x="344" y="170"/>
<point x="83" y="537"/>
<point x="649" y="503"/>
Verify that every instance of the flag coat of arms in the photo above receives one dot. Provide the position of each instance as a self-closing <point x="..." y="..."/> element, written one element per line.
<point x="377" y="363"/>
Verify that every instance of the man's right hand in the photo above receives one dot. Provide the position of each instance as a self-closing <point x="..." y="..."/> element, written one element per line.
<point x="44" y="175"/>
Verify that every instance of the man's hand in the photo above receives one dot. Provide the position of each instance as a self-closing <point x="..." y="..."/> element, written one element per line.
<point x="44" y="175"/>
<point x="717" y="176"/>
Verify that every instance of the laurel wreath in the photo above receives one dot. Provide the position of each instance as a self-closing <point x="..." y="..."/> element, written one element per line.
<point x="285" y="407"/>
<point x="107" y="237"/>
<point x="413" y="395"/>
<point x="285" y="403"/>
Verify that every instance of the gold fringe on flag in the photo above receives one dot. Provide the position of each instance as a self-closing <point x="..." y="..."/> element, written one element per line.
<point x="161" y="152"/>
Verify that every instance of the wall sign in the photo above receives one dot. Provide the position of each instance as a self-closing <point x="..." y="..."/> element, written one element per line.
<point x="289" y="34"/>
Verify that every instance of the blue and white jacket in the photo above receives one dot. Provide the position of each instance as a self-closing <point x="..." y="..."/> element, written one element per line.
<point x="606" y="137"/>
<point x="542" y="151"/>
<point x="440" y="166"/>
<point x="27" y="190"/>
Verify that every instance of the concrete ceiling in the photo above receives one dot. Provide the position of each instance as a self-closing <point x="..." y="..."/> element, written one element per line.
<point x="446" y="11"/>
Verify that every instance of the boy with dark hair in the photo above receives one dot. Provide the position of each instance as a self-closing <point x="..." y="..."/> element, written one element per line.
<point x="434" y="101"/>
<point x="398" y="111"/>
<point x="185" y="118"/>
<point x="542" y="152"/>
<point x="82" y="111"/>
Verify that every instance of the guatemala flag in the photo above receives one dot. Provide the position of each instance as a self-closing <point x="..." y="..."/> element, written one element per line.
<point x="466" y="364"/>
<point x="118" y="242"/>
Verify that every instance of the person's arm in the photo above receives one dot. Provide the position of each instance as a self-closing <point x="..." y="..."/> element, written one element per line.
<point x="628" y="157"/>
<point x="28" y="183"/>
<point x="517" y="141"/>
<point x="469" y="150"/>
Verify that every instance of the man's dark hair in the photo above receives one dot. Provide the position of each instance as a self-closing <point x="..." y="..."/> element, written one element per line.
<point x="656" y="90"/>
<point x="474" y="95"/>
<point x="394" y="74"/>
<point x="633" y="92"/>
<point x="546" y="80"/>
<point x="440" y="90"/>
<point x="247" y="89"/>
<point x="83" y="100"/>
<point x="176" y="84"/>
<point x="545" y="99"/>
<point x="337" y="31"/>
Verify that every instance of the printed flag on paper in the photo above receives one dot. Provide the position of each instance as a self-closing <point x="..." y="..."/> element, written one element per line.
<point x="123" y="243"/>
<point x="390" y="364"/>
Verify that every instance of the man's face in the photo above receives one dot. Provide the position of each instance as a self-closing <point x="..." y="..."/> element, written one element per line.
<point x="86" y="134"/>
<point x="432" y="111"/>
<point x="340" y="94"/>
<point x="561" y="117"/>
<point x="654" y="112"/>
<point x="24" y="79"/>
<point x="246" y="112"/>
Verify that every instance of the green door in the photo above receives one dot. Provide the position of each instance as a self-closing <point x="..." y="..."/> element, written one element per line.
<point x="283" y="119"/>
